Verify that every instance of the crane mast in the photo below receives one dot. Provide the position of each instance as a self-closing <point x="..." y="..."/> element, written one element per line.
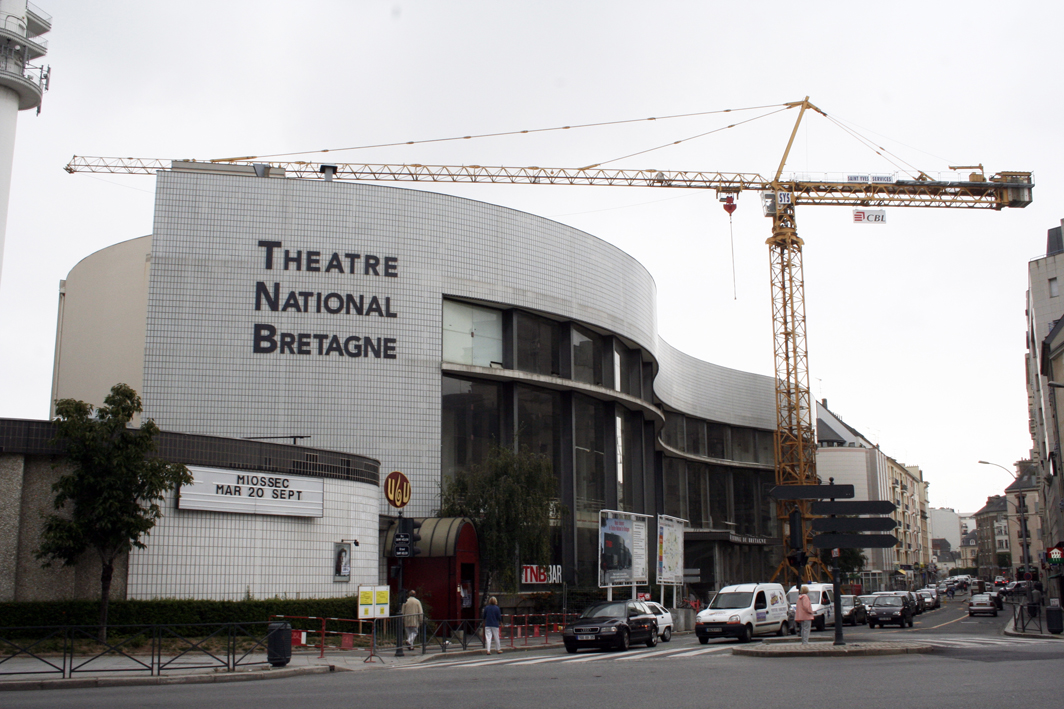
<point x="795" y="438"/>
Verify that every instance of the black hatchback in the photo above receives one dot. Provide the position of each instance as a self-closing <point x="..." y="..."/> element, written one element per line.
<point x="890" y="609"/>
<point x="612" y="624"/>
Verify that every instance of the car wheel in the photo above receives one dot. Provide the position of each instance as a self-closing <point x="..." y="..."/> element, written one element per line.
<point x="783" y="629"/>
<point x="571" y="649"/>
<point x="747" y="634"/>
<point x="910" y="621"/>
<point x="667" y="635"/>
<point x="652" y="641"/>
<point x="995" y="614"/>
<point x="819" y="623"/>
<point x="704" y="641"/>
<point x="871" y="625"/>
<point x="622" y="642"/>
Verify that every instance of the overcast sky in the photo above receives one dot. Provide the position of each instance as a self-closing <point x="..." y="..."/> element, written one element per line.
<point x="915" y="328"/>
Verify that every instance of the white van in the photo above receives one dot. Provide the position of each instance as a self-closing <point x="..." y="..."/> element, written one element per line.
<point x="742" y="612"/>
<point x="822" y="600"/>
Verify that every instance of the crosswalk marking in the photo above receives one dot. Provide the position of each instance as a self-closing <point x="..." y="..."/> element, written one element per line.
<point x="567" y="659"/>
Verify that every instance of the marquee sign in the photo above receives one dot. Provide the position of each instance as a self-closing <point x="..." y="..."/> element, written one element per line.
<point x="244" y="492"/>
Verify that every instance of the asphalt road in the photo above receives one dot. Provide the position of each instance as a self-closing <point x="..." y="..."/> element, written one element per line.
<point x="974" y="664"/>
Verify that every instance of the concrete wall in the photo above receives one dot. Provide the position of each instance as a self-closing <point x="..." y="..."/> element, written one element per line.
<point x="26" y="485"/>
<point x="102" y="314"/>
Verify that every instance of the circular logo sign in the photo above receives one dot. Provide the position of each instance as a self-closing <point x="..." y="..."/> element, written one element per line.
<point x="397" y="489"/>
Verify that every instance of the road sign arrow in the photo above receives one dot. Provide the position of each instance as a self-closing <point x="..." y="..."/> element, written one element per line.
<point x="854" y="541"/>
<point x="860" y="507"/>
<point x="811" y="492"/>
<point x="853" y="524"/>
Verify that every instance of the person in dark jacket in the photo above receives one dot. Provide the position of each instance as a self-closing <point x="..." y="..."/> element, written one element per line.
<point x="492" y="619"/>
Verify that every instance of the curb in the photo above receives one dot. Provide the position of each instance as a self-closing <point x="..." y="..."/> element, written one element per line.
<point x="476" y="653"/>
<point x="89" y="682"/>
<point x="854" y="650"/>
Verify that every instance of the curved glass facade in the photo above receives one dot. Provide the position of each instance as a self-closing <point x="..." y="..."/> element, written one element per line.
<point x="590" y="409"/>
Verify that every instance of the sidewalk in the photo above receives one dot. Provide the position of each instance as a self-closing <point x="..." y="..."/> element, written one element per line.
<point x="119" y="671"/>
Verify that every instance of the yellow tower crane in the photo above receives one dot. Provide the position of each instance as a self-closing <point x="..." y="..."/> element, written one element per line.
<point x="795" y="440"/>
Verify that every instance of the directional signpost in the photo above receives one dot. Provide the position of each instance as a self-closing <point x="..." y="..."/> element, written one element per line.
<point x="835" y="531"/>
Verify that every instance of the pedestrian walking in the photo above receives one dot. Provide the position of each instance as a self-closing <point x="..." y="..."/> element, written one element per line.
<point x="413" y="615"/>
<point x="803" y="613"/>
<point x="492" y="619"/>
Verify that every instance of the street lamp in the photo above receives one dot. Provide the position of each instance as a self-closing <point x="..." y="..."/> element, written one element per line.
<point x="1025" y="540"/>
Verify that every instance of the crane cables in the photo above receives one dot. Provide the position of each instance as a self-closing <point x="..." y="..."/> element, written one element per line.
<point x="780" y="107"/>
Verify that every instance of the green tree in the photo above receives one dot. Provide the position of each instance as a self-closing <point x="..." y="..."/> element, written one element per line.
<point x="851" y="561"/>
<point x="114" y="489"/>
<point x="511" y="498"/>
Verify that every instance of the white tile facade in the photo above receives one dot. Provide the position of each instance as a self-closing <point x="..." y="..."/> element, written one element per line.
<point x="203" y="375"/>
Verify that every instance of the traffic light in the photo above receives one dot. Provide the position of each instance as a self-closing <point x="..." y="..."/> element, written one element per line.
<point x="795" y="523"/>
<point x="414" y="525"/>
<point x="798" y="559"/>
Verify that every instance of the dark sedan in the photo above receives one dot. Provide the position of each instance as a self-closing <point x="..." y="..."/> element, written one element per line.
<point x="612" y="624"/>
<point x="890" y="609"/>
<point x="854" y="611"/>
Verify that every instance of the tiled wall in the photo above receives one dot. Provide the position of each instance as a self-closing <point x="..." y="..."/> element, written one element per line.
<point x="195" y="554"/>
<point x="201" y="374"/>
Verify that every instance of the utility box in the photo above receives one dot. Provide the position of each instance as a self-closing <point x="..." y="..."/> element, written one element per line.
<point x="1055" y="620"/>
<point x="279" y="644"/>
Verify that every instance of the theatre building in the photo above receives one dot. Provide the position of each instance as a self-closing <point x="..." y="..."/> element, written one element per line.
<point x="417" y="329"/>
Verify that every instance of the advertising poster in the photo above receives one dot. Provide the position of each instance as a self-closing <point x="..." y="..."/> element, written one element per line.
<point x="670" y="550"/>
<point x="622" y="548"/>
<point x="342" y="562"/>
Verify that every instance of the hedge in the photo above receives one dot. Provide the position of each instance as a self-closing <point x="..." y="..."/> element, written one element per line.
<point x="174" y="611"/>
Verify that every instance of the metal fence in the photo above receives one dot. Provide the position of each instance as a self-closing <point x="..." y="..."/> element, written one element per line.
<point x="65" y="651"/>
<point x="1027" y="617"/>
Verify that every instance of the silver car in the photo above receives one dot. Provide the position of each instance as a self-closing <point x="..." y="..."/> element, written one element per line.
<point x="664" y="618"/>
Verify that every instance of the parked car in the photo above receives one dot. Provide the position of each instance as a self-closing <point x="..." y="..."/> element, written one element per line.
<point x="927" y="600"/>
<point x="853" y="611"/>
<point x="867" y="600"/>
<point x="891" y="609"/>
<point x="612" y="624"/>
<point x="664" y="619"/>
<point x="934" y="594"/>
<point x="982" y="603"/>
<point x="1017" y="588"/>
<point x="743" y="611"/>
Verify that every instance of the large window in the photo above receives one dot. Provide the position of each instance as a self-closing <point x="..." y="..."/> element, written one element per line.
<point x="539" y="423"/>
<point x="589" y="427"/>
<point x="673" y="433"/>
<point x="675" y="487"/>
<point x="587" y="356"/>
<point x="471" y="334"/>
<point x="469" y="422"/>
<point x="743" y="444"/>
<point x="537" y="344"/>
<point x="716" y="440"/>
<point x="698" y="494"/>
<point x="719" y="493"/>
<point x="630" y="495"/>
<point x="696" y="437"/>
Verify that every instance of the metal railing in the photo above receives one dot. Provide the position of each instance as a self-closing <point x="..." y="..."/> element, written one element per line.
<point x="1027" y="617"/>
<point x="69" y="650"/>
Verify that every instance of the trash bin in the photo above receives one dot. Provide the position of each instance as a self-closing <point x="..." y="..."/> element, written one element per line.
<point x="279" y="644"/>
<point x="1055" y="620"/>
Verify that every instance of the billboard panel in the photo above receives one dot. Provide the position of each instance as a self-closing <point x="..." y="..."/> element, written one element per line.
<point x="670" y="550"/>
<point x="622" y="548"/>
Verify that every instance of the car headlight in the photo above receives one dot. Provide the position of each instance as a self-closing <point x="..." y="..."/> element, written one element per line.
<point x="734" y="619"/>
<point x="568" y="631"/>
<point x="897" y="612"/>
<point x="610" y="629"/>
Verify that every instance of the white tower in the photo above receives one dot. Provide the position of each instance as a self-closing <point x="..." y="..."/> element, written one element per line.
<point x="21" y="83"/>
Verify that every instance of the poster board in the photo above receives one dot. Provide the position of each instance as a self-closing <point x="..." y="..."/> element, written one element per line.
<point x="622" y="548"/>
<point x="670" y="550"/>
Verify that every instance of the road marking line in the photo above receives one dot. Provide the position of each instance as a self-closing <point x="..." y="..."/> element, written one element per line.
<point x="948" y="622"/>
<point x="703" y="651"/>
